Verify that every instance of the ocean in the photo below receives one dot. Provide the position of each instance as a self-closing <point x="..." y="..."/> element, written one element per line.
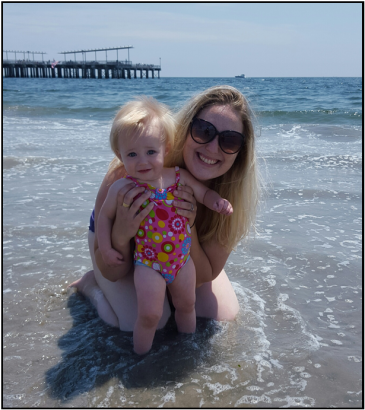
<point x="297" y="340"/>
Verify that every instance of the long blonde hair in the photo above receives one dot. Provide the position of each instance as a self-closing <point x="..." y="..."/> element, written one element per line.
<point x="133" y="117"/>
<point x="240" y="184"/>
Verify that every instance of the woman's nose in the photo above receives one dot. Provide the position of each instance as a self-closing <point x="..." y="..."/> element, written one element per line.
<point x="213" y="146"/>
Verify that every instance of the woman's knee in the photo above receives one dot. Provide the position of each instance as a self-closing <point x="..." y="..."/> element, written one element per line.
<point x="228" y="312"/>
<point x="217" y="299"/>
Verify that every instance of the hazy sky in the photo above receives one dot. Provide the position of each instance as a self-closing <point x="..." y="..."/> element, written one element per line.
<point x="197" y="39"/>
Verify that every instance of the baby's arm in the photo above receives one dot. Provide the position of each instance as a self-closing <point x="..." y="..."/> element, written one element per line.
<point x="206" y="196"/>
<point x="105" y="223"/>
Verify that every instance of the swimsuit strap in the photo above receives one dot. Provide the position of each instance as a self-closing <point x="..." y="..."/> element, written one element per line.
<point x="177" y="181"/>
<point x="136" y="181"/>
<point x="177" y="170"/>
<point x="133" y="179"/>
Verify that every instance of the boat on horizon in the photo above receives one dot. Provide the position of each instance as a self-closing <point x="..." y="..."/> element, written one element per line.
<point x="240" y="76"/>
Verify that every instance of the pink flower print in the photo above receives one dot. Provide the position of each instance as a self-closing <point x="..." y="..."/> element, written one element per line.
<point x="177" y="224"/>
<point x="149" y="253"/>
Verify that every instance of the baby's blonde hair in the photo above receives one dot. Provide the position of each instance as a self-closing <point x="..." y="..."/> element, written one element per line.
<point x="132" y="119"/>
<point x="240" y="185"/>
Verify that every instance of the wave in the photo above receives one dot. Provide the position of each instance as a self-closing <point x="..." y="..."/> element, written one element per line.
<point x="319" y="116"/>
<point x="11" y="161"/>
<point x="57" y="109"/>
<point x="61" y="112"/>
<point x="316" y="160"/>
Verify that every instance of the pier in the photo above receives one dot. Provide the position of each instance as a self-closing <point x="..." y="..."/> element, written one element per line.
<point x="78" y="68"/>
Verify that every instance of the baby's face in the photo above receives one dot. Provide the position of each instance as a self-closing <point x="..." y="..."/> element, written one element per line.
<point x="143" y="155"/>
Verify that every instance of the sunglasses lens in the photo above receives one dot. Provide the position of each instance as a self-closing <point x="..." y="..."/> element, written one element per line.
<point x="230" y="142"/>
<point x="202" y="132"/>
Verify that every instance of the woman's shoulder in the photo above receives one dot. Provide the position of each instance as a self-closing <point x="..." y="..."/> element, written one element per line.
<point x="111" y="176"/>
<point x="114" y="175"/>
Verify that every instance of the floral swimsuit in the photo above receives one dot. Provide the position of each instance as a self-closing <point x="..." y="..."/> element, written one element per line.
<point x="163" y="239"/>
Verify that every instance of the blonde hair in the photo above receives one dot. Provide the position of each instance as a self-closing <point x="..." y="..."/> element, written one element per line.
<point x="132" y="119"/>
<point x="240" y="184"/>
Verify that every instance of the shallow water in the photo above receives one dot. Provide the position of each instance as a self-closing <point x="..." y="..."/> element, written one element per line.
<point x="297" y="341"/>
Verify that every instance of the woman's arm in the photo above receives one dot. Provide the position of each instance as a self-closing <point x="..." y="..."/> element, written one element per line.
<point x="125" y="225"/>
<point x="106" y="218"/>
<point x="108" y="272"/>
<point x="209" y="258"/>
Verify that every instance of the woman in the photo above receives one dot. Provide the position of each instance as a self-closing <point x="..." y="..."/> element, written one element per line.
<point x="225" y="162"/>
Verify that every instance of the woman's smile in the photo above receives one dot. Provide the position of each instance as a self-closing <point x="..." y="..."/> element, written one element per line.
<point x="207" y="160"/>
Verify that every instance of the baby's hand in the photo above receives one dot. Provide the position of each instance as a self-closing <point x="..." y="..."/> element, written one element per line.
<point x="112" y="258"/>
<point x="223" y="207"/>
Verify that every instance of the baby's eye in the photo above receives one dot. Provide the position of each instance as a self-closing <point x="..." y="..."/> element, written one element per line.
<point x="151" y="152"/>
<point x="132" y="154"/>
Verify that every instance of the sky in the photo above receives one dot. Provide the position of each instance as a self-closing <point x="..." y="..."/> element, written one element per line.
<point x="196" y="39"/>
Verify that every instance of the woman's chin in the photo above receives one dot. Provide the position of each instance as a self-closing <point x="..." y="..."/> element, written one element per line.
<point x="203" y="170"/>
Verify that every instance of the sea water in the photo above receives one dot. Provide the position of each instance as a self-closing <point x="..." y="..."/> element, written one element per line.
<point x="297" y="340"/>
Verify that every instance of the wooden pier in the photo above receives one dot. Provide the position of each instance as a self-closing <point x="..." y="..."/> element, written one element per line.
<point x="79" y="69"/>
<point x="72" y="69"/>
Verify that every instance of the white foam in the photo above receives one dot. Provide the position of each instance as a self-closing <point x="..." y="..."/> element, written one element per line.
<point x="248" y="399"/>
<point x="296" y="401"/>
<point x="168" y="397"/>
<point x="218" y="388"/>
<point x="312" y="341"/>
<point x="356" y="359"/>
<point x="253" y="388"/>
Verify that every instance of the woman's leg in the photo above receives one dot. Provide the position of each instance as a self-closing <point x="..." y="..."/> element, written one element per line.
<point x="120" y="296"/>
<point x="151" y="291"/>
<point x="217" y="299"/>
<point x="88" y="287"/>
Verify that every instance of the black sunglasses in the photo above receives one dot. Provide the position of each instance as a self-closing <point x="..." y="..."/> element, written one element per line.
<point x="202" y="132"/>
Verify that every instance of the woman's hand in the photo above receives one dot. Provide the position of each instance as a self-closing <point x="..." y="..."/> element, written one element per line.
<point x="127" y="221"/>
<point x="187" y="206"/>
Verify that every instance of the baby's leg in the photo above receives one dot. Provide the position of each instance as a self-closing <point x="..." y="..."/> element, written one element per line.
<point x="151" y="289"/>
<point x="182" y="290"/>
